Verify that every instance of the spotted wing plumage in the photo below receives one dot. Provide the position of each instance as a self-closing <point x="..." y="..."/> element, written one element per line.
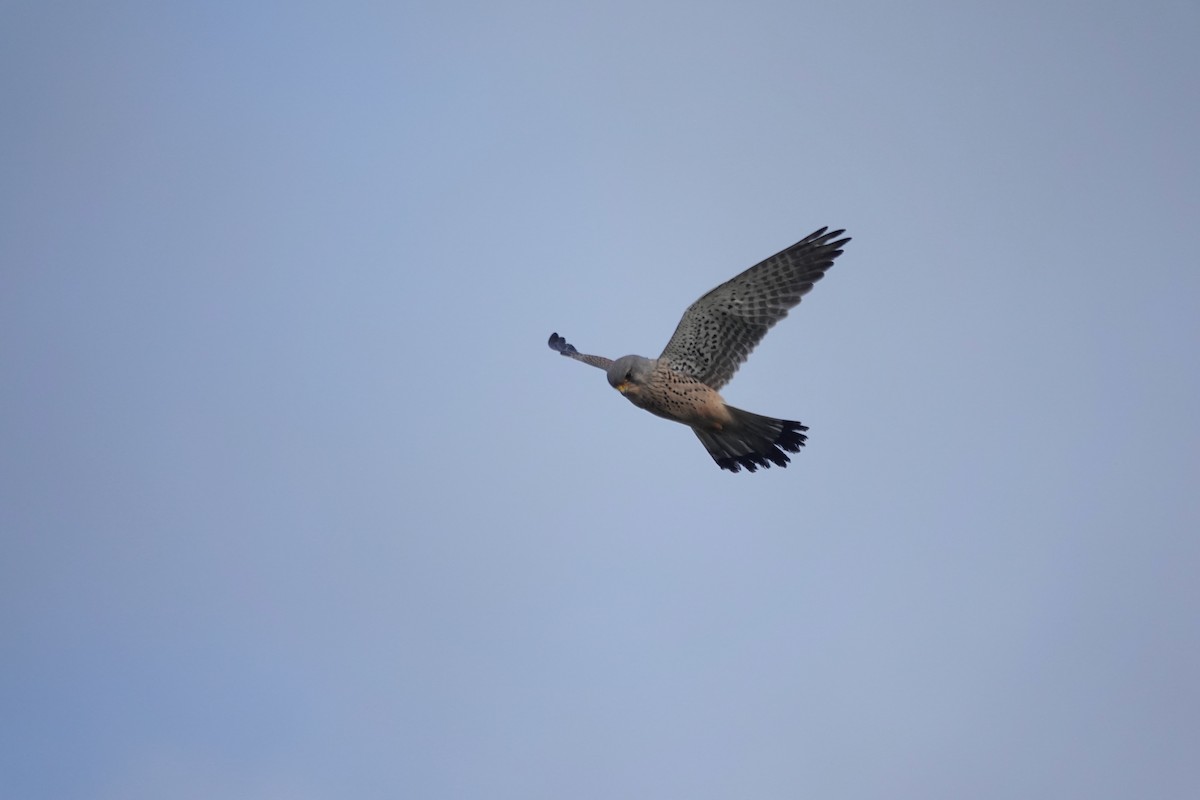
<point x="718" y="331"/>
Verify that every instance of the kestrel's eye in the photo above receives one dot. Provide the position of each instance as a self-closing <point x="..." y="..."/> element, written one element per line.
<point x="629" y="375"/>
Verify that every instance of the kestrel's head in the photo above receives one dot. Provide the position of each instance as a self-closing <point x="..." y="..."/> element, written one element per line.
<point x="629" y="374"/>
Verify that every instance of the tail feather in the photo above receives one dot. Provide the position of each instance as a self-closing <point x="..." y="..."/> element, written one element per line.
<point x="753" y="441"/>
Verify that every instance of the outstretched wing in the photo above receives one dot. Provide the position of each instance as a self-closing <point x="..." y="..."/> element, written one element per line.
<point x="719" y="330"/>
<point x="559" y="344"/>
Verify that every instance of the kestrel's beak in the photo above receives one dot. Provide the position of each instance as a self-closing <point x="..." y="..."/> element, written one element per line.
<point x="624" y="386"/>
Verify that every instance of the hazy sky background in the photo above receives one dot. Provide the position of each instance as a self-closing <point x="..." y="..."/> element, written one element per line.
<point x="295" y="502"/>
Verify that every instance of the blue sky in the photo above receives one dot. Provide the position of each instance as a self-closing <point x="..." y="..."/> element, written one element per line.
<point x="295" y="502"/>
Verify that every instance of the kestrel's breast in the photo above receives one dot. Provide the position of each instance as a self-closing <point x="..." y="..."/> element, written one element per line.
<point x="682" y="398"/>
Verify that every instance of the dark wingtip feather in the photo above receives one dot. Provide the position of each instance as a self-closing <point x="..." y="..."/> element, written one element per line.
<point x="751" y="462"/>
<point x="824" y="238"/>
<point x="559" y="345"/>
<point x="791" y="438"/>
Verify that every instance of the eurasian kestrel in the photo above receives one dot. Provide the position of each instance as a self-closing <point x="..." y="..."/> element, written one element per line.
<point x="715" y="336"/>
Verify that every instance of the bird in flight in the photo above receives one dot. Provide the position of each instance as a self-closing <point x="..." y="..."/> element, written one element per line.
<point x="714" y="337"/>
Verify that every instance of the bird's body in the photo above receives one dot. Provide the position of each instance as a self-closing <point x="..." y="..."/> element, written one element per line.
<point x="676" y="397"/>
<point x="713" y="338"/>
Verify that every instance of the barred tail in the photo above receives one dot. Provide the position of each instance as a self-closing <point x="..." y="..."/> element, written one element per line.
<point x="753" y="441"/>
